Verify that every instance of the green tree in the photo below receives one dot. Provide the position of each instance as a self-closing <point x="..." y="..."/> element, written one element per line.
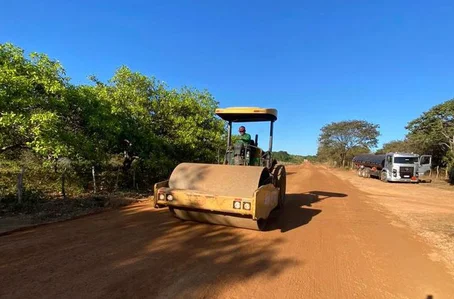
<point x="131" y="117"/>
<point x="126" y="114"/>
<point x="282" y="156"/>
<point x="397" y="146"/>
<point x="433" y="131"/>
<point x="187" y="121"/>
<point x="340" y="139"/>
<point x="32" y="91"/>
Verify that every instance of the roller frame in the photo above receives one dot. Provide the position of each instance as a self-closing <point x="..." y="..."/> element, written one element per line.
<point x="263" y="202"/>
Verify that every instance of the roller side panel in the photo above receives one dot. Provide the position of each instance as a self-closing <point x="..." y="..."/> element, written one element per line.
<point x="190" y="199"/>
<point x="222" y="180"/>
<point x="266" y="200"/>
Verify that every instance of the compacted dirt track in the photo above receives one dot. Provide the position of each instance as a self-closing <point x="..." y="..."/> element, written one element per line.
<point x="329" y="243"/>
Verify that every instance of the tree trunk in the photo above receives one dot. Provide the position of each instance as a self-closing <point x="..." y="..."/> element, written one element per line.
<point x="94" y="178"/>
<point x="20" y="186"/>
<point x="63" y="178"/>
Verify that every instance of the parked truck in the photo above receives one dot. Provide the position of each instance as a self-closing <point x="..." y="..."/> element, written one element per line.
<point x="394" y="167"/>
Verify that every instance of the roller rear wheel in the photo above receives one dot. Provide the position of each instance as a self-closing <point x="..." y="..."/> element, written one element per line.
<point x="280" y="182"/>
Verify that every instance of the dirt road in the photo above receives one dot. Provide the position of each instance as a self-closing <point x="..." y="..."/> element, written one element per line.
<point x="332" y="241"/>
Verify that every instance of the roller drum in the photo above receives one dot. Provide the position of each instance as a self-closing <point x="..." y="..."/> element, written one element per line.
<point x="218" y="218"/>
<point x="219" y="180"/>
<point x="223" y="180"/>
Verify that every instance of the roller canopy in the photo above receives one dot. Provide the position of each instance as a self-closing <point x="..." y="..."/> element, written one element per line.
<point x="247" y="114"/>
<point x="224" y="180"/>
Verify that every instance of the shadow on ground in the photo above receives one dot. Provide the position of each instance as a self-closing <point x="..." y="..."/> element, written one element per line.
<point x="295" y="213"/>
<point x="135" y="252"/>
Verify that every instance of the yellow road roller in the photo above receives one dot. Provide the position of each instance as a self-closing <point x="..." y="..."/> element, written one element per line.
<point x="240" y="192"/>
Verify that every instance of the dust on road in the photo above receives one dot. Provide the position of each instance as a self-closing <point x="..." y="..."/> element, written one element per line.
<point x="331" y="241"/>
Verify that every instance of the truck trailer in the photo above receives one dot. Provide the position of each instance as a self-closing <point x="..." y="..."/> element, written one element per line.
<point x="394" y="166"/>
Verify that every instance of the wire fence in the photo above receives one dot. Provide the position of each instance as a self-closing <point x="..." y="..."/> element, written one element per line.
<point x="19" y="184"/>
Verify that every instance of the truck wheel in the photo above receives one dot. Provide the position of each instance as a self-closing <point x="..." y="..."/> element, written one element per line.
<point x="383" y="177"/>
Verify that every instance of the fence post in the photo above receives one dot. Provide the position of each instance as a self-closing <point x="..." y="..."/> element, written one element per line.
<point x="94" y="178"/>
<point x="20" y="185"/>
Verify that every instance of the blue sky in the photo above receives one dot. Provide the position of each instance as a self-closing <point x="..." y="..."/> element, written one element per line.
<point x="315" y="61"/>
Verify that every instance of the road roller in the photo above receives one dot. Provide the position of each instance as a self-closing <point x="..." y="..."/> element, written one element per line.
<point x="241" y="191"/>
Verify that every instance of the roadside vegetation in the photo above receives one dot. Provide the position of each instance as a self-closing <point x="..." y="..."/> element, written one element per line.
<point x="63" y="140"/>
<point x="286" y="158"/>
<point x="432" y="133"/>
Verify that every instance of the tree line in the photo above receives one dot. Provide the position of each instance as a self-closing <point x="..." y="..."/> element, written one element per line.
<point x="130" y="122"/>
<point x="284" y="156"/>
<point x="431" y="133"/>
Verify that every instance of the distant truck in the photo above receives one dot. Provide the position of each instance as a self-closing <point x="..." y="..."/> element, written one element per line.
<point x="394" y="167"/>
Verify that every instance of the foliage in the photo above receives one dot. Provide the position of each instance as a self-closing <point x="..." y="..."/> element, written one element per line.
<point x="310" y="158"/>
<point x="133" y="129"/>
<point x="283" y="156"/>
<point x="433" y="131"/>
<point x="397" y="146"/>
<point x="342" y="139"/>
<point x="31" y="93"/>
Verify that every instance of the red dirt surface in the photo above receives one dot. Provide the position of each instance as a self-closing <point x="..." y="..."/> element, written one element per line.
<point x="331" y="241"/>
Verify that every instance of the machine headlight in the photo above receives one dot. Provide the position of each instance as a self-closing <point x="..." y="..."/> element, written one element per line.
<point x="247" y="206"/>
<point x="162" y="196"/>
<point x="170" y="197"/>
<point x="237" y="204"/>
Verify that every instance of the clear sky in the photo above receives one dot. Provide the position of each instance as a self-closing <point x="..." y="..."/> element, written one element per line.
<point x="315" y="61"/>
